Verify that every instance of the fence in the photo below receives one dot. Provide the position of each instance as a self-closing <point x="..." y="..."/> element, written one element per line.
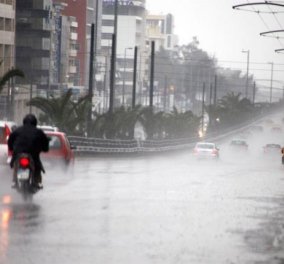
<point x="96" y="146"/>
<point x="93" y="146"/>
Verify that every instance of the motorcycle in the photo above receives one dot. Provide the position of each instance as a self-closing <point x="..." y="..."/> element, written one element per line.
<point x="24" y="170"/>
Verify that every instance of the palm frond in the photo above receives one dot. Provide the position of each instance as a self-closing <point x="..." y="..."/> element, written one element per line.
<point x="8" y="75"/>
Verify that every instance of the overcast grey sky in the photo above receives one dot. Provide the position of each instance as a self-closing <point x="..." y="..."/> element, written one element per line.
<point x="224" y="32"/>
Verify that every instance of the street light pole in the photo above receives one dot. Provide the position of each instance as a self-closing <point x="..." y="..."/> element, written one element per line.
<point x="247" y="80"/>
<point x="113" y="60"/>
<point x="124" y="71"/>
<point x="271" y="81"/>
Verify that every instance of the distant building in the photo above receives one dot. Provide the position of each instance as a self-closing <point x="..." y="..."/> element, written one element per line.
<point x="7" y="45"/>
<point x="33" y="43"/>
<point x="130" y="33"/>
<point x="64" y="63"/>
<point x="84" y="12"/>
<point x="69" y="66"/>
<point x="7" y="35"/>
<point x="160" y="28"/>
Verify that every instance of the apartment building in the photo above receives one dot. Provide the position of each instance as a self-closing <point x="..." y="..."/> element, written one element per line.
<point x="33" y="41"/>
<point x="84" y="12"/>
<point x="160" y="28"/>
<point x="7" y="44"/>
<point x="64" y="68"/>
<point x="7" y="35"/>
<point x="130" y="33"/>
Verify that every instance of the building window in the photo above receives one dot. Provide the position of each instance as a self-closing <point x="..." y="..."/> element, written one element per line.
<point x="108" y="23"/>
<point x="106" y="35"/>
<point x="1" y="23"/>
<point x="8" y="24"/>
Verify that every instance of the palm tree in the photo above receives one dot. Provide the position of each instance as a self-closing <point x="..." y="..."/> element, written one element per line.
<point x="62" y="111"/>
<point x="152" y="122"/>
<point x="230" y="110"/>
<point x="119" y="124"/>
<point x="8" y="75"/>
<point x="181" y="125"/>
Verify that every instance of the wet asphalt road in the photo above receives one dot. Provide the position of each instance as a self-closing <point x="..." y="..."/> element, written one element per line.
<point x="156" y="210"/>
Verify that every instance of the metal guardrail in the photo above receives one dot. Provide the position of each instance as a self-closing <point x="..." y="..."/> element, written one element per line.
<point x="97" y="146"/>
<point x="93" y="146"/>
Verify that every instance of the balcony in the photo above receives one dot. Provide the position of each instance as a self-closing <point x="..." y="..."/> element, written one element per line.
<point x="74" y="36"/>
<point x="72" y="69"/>
<point x="74" y="24"/>
<point x="7" y="11"/>
<point x="73" y="53"/>
<point x="7" y="37"/>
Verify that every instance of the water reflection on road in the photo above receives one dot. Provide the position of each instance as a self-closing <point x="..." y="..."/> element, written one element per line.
<point x="165" y="209"/>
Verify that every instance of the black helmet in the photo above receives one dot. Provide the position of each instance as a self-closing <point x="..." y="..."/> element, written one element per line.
<point x="30" y="119"/>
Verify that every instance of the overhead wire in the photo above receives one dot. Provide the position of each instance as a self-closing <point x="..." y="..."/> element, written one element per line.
<point x="264" y="22"/>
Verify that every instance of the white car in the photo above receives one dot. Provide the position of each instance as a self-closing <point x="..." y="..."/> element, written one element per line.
<point x="6" y="128"/>
<point x="206" y="150"/>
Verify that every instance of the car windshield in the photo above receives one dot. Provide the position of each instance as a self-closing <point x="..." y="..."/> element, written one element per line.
<point x="205" y="146"/>
<point x="54" y="142"/>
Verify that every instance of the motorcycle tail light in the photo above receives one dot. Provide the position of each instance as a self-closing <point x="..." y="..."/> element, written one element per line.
<point x="24" y="162"/>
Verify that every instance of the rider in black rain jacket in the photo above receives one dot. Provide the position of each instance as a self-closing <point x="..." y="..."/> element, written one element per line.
<point x="31" y="140"/>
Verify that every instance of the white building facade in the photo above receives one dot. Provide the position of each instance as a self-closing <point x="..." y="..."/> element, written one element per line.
<point x="160" y="28"/>
<point x="7" y="35"/>
<point x="131" y="25"/>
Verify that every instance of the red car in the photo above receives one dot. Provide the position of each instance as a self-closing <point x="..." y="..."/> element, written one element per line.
<point x="6" y="128"/>
<point x="60" y="149"/>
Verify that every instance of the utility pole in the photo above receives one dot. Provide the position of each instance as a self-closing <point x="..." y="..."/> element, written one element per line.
<point x="152" y="73"/>
<point x="113" y="60"/>
<point x="12" y="98"/>
<point x="271" y="81"/>
<point x="203" y="109"/>
<point x="210" y="95"/>
<point x="215" y="90"/>
<point x="165" y="92"/>
<point x="31" y="85"/>
<point x="253" y="95"/>
<point x="247" y="79"/>
<point x="134" y="78"/>
<point x="91" y="75"/>
<point x="124" y="73"/>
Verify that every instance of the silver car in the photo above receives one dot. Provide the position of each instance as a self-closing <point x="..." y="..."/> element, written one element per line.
<point x="206" y="150"/>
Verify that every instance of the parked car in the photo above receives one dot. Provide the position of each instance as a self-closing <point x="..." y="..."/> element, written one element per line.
<point x="272" y="149"/>
<point x="60" y="150"/>
<point x="6" y="127"/>
<point x="206" y="150"/>
<point x="239" y="144"/>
